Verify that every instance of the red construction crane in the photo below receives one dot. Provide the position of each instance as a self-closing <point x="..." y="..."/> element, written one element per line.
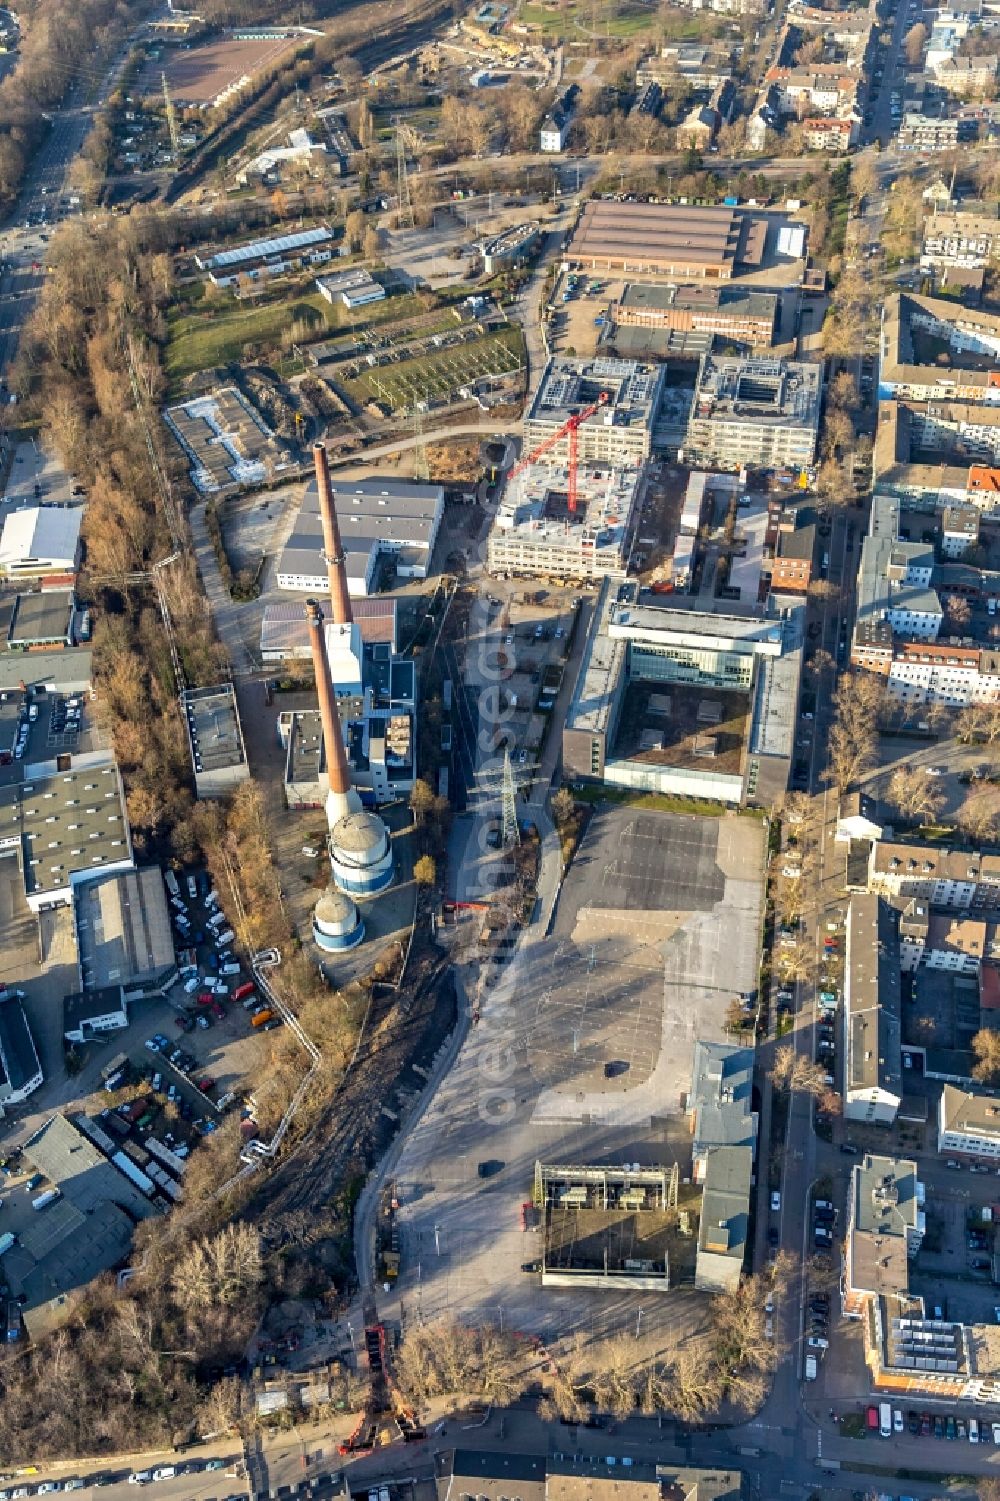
<point x="569" y="429"/>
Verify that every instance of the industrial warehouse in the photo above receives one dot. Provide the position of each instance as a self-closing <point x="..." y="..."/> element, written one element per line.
<point x="382" y="519"/>
<point x="666" y="239"/>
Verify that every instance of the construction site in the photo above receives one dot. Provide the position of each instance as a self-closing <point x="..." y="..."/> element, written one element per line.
<point x="537" y="533"/>
<point x="226" y="443"/>
<point x="563" y="519"/>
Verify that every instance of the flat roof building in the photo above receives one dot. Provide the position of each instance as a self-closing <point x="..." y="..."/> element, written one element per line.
<point x="742" y="314"/>
<point x="725" y="1219"/>
<point x="620" y="433"/>
<point x="123" y="932"/>
<point x="873" y="1080"/>
<point x="508" y="248"/>
<point x="41" y="619"/>
<point x="20" y="1069"/>
<point x="354" y="288"/>
<point x="65" y="827"/>
<point x="90" y="1015"/>
<point x="379" y="518"/>
<point x="690" y="646"/>
<point x="41" y="542"/>
<point x="57" y="671"/>
<point x="88" y="1231"/>
<point x="666" y="239"/>
<point x="379" y="732"/>
<point x="885" y="1229"/>
<point x="720" y="1105"/>
<point x="534" y="533"/>
<point x="215" y="739"/>
<point x="754" y="412"/>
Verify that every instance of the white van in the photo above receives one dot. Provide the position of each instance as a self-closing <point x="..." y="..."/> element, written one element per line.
<point x="192" y="887"/>
<point x="165" y="1472"/>
<point x="190" y="986"/>
<point x="230" y="969"/>
<point x="217" y="920"/>
<point x="226" y="936"/>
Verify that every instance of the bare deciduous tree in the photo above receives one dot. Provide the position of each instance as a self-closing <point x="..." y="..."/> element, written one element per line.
<point x="914" y="794"/>
<point x="986" y="1046"/>
<point x="793" y="1071"/>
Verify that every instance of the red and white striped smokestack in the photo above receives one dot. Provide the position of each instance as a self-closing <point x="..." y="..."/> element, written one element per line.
<point x="333" y="547"/>
<point x="342" y="798"/>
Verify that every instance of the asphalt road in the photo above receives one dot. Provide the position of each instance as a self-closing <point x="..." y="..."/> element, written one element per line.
<point x="21" y="248"/>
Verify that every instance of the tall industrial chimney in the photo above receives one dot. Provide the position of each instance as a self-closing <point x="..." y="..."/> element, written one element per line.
<point x="333" y="547"/>
<point x="342" y="798"/>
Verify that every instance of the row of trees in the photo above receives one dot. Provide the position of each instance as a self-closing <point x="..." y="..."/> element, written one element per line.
<point x="730" y="1360"/>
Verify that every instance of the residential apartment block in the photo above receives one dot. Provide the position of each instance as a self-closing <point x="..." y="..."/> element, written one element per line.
<point x="964" y="330"/>
<point x="920" y="132"/>
<point x="958" y="879"/>
<point x="967" y="236"/>
<point x="872" y="1012"/>
<point x="885" y="1228"/>
<point x="969" y="1125"/>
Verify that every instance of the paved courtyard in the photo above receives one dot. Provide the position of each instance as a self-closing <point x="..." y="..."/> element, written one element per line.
<point x="583" y="1054"/>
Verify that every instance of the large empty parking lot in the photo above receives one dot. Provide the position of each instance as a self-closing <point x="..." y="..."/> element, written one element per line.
<point x="583" y="1054"/>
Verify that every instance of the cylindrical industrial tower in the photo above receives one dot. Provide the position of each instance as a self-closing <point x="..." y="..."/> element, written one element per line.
<point x="337" y="923"/>
<point x="333" y="547"/>
<point x="360" y="847"/>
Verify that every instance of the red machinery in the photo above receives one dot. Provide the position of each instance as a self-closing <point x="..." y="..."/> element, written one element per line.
<point x="569" y="429"/>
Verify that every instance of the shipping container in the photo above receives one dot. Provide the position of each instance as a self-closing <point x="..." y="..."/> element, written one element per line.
<point x="125" y="1165"/>
<point x="260" y="1017"/>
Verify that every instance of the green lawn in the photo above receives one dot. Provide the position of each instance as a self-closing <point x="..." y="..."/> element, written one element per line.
<point x="660" y="801"/>
<point x="616" y="18"/>
<point x="218" y="333"/>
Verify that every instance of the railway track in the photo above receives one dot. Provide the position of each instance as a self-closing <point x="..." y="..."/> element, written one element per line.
<point x="415" y="29"/>
<point x="353" y="1131"/>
